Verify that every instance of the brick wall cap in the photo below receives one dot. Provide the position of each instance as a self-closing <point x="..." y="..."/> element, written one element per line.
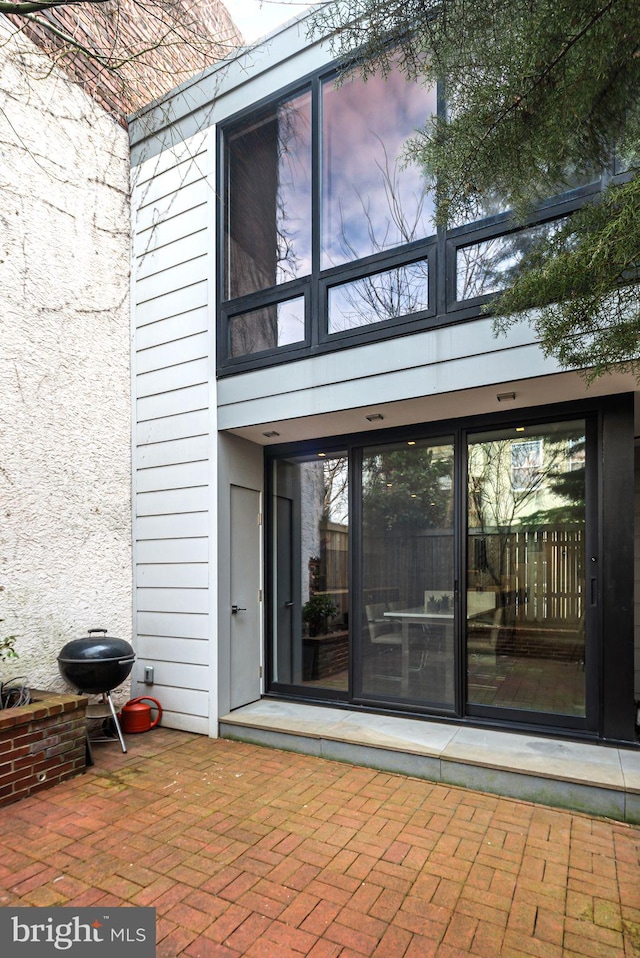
<point x="38" y="707"/>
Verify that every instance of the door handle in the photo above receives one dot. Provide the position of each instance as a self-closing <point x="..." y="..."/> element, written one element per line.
<point x="288" y="605"/>
<point x="236" y="608"/>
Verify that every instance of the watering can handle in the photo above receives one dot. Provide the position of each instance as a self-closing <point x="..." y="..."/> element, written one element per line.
<point x="147" y="698"/>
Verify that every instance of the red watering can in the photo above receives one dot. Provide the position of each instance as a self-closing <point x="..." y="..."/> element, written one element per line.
<point x="136" y="717"/>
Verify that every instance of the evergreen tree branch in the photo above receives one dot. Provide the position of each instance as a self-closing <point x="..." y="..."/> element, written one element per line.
<point x="581" y="283"/>
<point x="540" y="94"/>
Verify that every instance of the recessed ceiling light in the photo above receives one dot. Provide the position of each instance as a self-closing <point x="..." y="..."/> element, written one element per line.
<point x="506" y="397"/>
<point x="271" y="435"/>
<point x="519" y="428"/>
<point x="411" y="442"/>
<point x="322" y="455"/>
<point x="374" y="417"/>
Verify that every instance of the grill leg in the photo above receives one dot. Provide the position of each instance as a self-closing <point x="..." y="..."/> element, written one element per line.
<point x="88" y="752"/>
<point x="115" y="720"/>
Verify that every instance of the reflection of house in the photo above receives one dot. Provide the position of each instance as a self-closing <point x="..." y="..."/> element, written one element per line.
<point x="349" y="333"/>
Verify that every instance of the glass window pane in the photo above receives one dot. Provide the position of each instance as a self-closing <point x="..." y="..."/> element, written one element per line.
<point x="370" y="200"/>
<point x="526" y="574"/>
<point x="408" y="573"/>
<point x="268" y="202"/>
<point x="526" y="463"/>
<point x="488" y="203"/>
<point x="279" y="324"/>
<point x="310" y="560"/>
<point x="373" y="299"/>
<point x="490" y="266"/>
<point x="483" y="206"/>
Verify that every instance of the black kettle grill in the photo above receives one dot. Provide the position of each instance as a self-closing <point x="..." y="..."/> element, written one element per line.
<point x="97" y="664"/>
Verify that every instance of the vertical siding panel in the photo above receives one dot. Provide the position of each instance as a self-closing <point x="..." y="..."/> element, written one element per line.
<point x="171" y="475"/>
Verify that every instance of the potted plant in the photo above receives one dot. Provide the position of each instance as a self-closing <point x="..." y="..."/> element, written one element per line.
<point x="316" y="612"/>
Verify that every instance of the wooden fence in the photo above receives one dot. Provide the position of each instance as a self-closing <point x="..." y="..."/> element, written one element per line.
<point x="538" y="573"/>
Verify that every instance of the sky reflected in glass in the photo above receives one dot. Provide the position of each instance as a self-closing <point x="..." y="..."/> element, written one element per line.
<point x="371" y="200"/>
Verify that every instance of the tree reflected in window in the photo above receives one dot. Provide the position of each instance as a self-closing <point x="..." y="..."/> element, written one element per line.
<point x="490" y="266"/>
<point x="371" y="199"/>
<point x="378" y="297"/>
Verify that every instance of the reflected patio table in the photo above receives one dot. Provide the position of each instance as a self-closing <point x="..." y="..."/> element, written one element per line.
<point x="419" y="616"/>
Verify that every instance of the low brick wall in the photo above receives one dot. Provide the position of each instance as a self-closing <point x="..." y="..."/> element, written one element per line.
<point x="41" y="744"/>
<point x="325" y="655"/>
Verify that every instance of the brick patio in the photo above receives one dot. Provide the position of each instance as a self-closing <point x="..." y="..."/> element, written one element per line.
<point x="250" y="851"/>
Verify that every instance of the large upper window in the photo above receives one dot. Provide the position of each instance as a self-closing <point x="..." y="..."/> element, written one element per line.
<point x="313" y="183"/>
<point x="328" y="230"/>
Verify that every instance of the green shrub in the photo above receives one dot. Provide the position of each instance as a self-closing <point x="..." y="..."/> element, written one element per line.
<point x="316" y="611"/>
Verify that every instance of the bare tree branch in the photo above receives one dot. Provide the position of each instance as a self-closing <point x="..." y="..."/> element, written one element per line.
<point x="34" y="6"/>
<point x="126" y="53"/>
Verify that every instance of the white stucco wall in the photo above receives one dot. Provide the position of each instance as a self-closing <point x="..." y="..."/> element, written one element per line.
<point x="65" y="451"/>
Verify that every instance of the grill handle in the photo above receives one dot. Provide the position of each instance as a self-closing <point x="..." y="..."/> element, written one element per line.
<point x="91" y="631"/>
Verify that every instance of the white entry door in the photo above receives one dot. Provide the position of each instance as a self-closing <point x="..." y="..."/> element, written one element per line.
<point x="245" y="596"/>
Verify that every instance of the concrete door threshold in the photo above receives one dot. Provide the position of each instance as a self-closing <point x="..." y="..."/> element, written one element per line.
<point x="592" y="778"/>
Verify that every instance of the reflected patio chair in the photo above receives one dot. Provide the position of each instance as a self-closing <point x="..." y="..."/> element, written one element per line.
<point x="494" y="635"/>
<point x="426" y="646"/>
<point x="385" y="634"/>
<point x="383" y="630"/>
<point x="484" y="638"/>
<point x="419" y="652"/>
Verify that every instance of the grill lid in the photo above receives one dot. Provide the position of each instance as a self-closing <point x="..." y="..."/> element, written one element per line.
<point x="96" y="648"/>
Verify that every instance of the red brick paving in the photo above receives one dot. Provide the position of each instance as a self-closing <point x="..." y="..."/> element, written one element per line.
<point x="247" y="852"/>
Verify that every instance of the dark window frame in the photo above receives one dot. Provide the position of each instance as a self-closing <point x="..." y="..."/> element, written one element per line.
<point x="439" y="248"/>
<point x="273" y="297"/>
<point x="502" y="224"/>
<point x="607" y="716"/>
<point x="372" y="266"/>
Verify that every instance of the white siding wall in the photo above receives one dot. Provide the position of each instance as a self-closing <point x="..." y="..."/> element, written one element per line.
<point x="173" y="364"/>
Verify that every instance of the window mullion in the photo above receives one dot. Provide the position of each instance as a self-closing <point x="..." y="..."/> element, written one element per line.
<point x="317" y="321"/>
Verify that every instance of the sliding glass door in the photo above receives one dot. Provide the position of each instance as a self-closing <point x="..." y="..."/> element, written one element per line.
<point x="445" y="574"/>
<point x="526" y="528"/>
<point x="309" y="566"/>
<point x="407" y="572"/>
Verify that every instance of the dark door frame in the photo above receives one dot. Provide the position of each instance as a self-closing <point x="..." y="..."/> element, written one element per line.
<point x="609" y="667"/>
